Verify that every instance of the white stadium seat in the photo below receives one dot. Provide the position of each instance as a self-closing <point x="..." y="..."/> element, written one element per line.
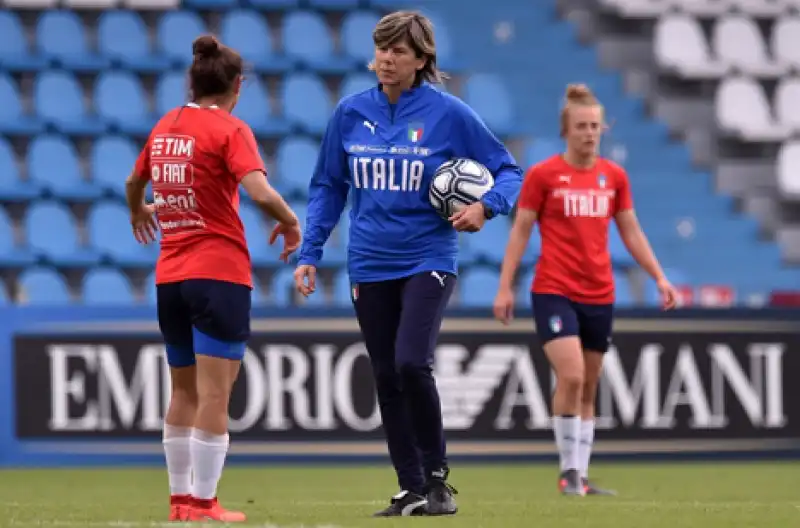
<point x="738" y="43"/>
<point x="31" y="4"/>
<point x="638" y="8"/>
<point x="789" y="169"/>
<point x="91" y="4"/>
<point x="152" y="4"/>
<point x="786" y="40"/>
<point x="787" y="103"/>
<point x="742" y="109"/>
<point x="703" y="7"/>
<point x="681" y="46"/>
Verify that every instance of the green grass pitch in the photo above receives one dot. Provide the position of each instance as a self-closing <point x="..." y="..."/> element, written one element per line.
<point x="763" y="495"/>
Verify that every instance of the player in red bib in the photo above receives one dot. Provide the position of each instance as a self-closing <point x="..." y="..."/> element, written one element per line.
<point x="195" y="158"/>
<point x="574" y="196"/>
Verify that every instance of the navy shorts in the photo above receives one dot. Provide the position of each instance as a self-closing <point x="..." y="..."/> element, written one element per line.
<point x="203" y="316"/>
<point x="556" y="316"/>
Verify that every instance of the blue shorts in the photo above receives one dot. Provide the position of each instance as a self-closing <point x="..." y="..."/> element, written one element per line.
<point x="556" y="316"/>
<point x="203" y="316"/>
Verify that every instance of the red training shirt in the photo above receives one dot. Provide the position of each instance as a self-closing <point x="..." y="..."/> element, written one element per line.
<point x="195" y="158"/>
<point x="574" y="207"/>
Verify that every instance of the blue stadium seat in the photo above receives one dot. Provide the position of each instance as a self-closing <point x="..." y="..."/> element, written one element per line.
<point x="111" y="161"/>
<point x="11" y="255"/>
<point x="342" y="289"/>
<point x="107" y="287"/>
<point x="488" y="96"/>
<point x="619" y="253"/>
<point x="282" y="290"/>
<point x="175" y="33"/>
<point x="53" y="164"/>
<point x="296" y="159"/>
<point x="13" y="120"/>
<point x="445" y="56"/>
<point x="254" y="108"/>
<point x="61" y="37"/>
<point x="356" y="83"/>
<point x="533" y="249"/>
<point x="58" y="100"/>
<point x="623" y="293"/>
<point x="121" y="101"/>
<point x="53" y="233"/>
<point x="217" y="5"/>
<point x="43" y="287"/>
<point x="523" y="290"/>
<point x="334" y="5"/>
<point x="150" y="290"/>
<point x="356" y="35"/>
<point x="15" y="54"/>
<point x="248" y="33"/>
<point x="122" y="37"/>
<point x="306" y="102"/>
<point x="109" y="228"/>
<point x="257" y="232"/>
<point x="542" y="148"/>
<point x="478" y="287"/>
<point x="489" y="244"/>
<point x="273" y="5"/>
<point x="172" y="90"/>
<point x="307" y="38"/>
<point x="12" y="188"/>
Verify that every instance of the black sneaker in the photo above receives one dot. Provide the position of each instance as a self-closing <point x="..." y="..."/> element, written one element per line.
<point x="591" y="489"/>
<point x="440" y="497"/>
<point x="569" y="483"/>
<point x="404" y="504"/>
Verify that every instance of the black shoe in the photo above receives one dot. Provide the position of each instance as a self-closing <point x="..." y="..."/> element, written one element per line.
<point x="591" y="489"/>
<point x="569" y="483"/>
<point x="440" y="498"/>
<point x="405" y="504"/>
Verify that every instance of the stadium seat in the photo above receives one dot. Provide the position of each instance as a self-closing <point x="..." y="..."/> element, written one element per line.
<point x="247" y="32"/>
<point x="171" y="91"/>
<point x="109" y="228"/>
<point x="53" y="165"/>
<point x="255" y="109"/>
<point x="738" y="43"/>
<point x="307" y="39"/>
<point x="785" y="40"/>
<point x="620" y="256"/>
<point x="122" y="37"/>
<point x="158" y="5"/>
<point x="489" y="244"/>
<point x="58" y="100"/>
<point x="337" y="5"/>
<point x="12" y="187"/>
<point x="107" y="287"/>
<point x="478" y="286"/>
<point x="121" y="101"/>
<point x="15" y="55"/>
<point x="150" y="290"/>
<point x="742" y="109"/>
<point x="624" y="297"/>
<point x="787" y="108"/>
<point x="356" y="35"/>
<point x="759" y="8"/>
<point x="175" y="32"/>
<point x="306" y="102"/>
<point x="356" y="83"/>
<point x="11" y="255"/>
<point x="13" y="120"/>
<point x="523" y="289"/>
<point x="53" y="233"/>
<point x="542" y="148"/>
<point x="637" y="8"/>
<point x="43" y="287"/>
<point x="489" y="97"/>
<point x="282" y="289"/>
<point x="296" y="159"/>
<point x="273" y="5"/>
<point x="788" y="169"/>
<point x="681" y="47"/>
<point x="111" y="161"/>
<point x="257" y="234"/>
<point x="61" y="37"/>
<point x="217" y="5"/>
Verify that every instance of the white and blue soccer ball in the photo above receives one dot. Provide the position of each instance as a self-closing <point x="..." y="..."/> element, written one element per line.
<point x="458" y="183"/>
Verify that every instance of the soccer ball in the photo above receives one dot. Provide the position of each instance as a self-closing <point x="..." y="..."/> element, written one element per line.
<point x="458" y="183"/>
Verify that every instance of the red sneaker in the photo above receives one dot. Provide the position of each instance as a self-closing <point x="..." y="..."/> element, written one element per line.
<point x="179" y="507"/>
<point x="211" y="510"/>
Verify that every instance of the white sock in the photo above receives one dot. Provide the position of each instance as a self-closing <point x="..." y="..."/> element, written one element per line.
<point x="567" y="431"/>
<point x="208" y="459"/>
<point x="587" y="440"/>
<point x="179" y="460"/>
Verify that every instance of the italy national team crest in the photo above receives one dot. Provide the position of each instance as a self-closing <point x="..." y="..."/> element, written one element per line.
<point x="415" y="131"/>
<point x="601" y="181"/>
<point x="555" y="324"/>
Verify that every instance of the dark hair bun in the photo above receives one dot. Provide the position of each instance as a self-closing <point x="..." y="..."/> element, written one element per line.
<point x="206" y="46"/>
